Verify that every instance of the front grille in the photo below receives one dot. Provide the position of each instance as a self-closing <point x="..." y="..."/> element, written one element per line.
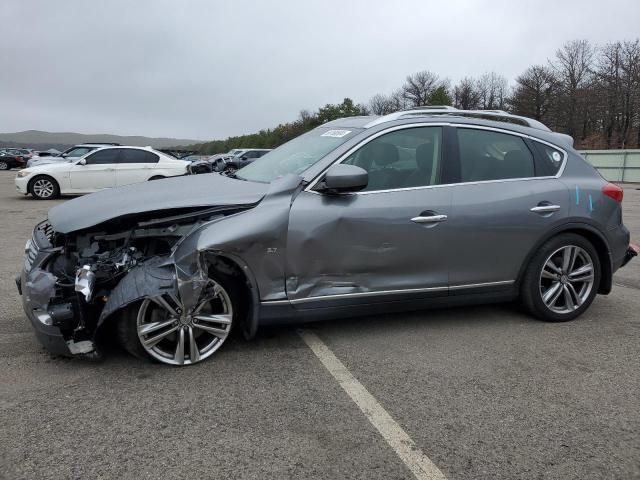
<point x="42" y="238"/>
<point x="31" y="252"/>
<point x="44" y="230"/>
<point x="47" y="229"/>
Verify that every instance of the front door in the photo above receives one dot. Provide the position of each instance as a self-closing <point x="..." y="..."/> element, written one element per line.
<point x="387" y="242"/>
<point x="97" y="173"/>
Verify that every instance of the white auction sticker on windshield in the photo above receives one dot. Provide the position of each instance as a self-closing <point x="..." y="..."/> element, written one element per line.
<point x="336" y="133"/>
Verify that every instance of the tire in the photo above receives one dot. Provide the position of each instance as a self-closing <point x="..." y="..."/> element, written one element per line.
<point x="4" y="165"/>
<point x="44" y="187"/>
<point x="562" y="278"/>
<point x="224" y="306"/>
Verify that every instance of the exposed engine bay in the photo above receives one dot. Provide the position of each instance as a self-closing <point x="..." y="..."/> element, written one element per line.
<point x="77" y="284"/>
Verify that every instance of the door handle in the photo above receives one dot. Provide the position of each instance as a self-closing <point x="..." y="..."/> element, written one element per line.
<point x="429" y="219"/>
<point x="546" y="208"/>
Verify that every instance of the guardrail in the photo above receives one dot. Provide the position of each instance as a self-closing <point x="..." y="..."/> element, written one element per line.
<point x="615" y="165"/>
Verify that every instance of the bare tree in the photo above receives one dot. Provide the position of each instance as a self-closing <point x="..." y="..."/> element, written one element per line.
<point x="535" y="92"/>
<point x="466" y="95"/>
<point x="493" y="90"/>
<point x="382" y="104"/>
<point x="417" y="88"/>
<point x="630" y="90"/>
<point x="398" y="101"/>
<point x="573" y="66"/>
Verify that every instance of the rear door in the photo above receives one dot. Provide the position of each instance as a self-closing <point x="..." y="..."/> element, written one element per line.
<point x="98" y="172"/>
<point x="135" y="165"/>
<point x="504" y="203"/>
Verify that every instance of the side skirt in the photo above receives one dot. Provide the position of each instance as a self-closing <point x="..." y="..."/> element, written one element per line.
<point x="283" y="312"/>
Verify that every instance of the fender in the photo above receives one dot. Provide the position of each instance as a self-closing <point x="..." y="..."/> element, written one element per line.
<point x="574" y="224"/>
<point x="151" y="278"/>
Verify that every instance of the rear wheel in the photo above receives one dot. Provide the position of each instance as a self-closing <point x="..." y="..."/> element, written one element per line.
<point x="562" y="279"/>
<point x="44" y="188"/>
<point x="160" y="328"/>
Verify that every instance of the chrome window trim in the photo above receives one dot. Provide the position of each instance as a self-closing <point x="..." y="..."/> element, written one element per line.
<point x="339" y="296"/>
<point x="343" y="157"/>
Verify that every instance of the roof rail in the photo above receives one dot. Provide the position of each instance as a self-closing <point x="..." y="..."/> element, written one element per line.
<point x="435" y="107"/>
<point x="495" y="115"/>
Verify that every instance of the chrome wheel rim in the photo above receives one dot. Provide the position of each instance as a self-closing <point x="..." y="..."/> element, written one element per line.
<point x="174" y="336"/>
<point x="566" y="279"/>
<point x="43" y="188"/>
<point x="4" y="166"/>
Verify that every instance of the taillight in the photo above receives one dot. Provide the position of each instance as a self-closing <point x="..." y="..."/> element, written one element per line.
<point x="612" y="190"/>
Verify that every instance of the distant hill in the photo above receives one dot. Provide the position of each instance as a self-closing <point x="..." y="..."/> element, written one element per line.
<point x="45" y="140"/>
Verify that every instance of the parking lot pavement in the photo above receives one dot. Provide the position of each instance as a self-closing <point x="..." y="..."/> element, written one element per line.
<point x="484" y="392"/>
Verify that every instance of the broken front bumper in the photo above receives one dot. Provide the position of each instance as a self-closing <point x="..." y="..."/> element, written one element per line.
<point x="37" y="286"/>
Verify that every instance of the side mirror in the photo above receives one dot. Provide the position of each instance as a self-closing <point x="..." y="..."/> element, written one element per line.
<point x="83" y="161"/>
<point x="64" y="155"/>
<point x="344" y="178"/>
<point x="244" y="157"/>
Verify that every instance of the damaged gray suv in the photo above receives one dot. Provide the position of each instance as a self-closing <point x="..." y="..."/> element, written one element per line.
<point x="420" y="208"/>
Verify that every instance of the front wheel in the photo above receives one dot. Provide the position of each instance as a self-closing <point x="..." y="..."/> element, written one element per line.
<point x="160" y="327"/>
<point x="562" y="279"/>
<point x="4" y="165"/>
<point x="44" y="188"/>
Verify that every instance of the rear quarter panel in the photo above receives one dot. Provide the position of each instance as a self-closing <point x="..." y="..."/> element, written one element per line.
<point x="589" y="205"/>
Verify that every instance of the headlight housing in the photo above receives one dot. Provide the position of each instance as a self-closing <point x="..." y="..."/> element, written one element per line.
<point x="23" y="173"/>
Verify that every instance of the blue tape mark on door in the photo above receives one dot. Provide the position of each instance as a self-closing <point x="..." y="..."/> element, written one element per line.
<point x="590" y="204"/>
<point x="577" y="195"/>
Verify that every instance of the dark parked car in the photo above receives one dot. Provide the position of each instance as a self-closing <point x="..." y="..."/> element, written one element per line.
<point x="241" y="157"/>
<point x="359" y="216"/>
<point x="9" y="159"/>
<point x="213" y="163"/>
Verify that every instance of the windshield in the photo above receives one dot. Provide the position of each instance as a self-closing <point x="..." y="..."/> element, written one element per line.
<point x="296" y="155"/>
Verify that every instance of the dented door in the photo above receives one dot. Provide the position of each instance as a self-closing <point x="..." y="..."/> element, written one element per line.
<point x="368" y="247"/>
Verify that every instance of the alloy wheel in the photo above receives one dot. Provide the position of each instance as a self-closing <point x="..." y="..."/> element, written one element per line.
<point x="566" y="279"/>
<point x="4" y="166"/>
<point x="176" y="336"/>
<point x="43" y="188"/>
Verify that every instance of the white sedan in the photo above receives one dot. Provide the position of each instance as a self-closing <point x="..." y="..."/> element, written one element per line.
<point x="103" y="168"/>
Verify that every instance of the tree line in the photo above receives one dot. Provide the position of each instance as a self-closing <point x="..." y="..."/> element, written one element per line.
<point x="591" y="92"/>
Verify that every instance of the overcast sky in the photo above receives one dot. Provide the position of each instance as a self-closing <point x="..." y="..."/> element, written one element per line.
<point x="209" y="69"/>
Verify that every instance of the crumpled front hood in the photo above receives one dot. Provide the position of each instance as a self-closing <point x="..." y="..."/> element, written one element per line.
<point x="209" y="190"/>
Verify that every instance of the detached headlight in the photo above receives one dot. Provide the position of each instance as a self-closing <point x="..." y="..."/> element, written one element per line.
<point x="23" y="173"/>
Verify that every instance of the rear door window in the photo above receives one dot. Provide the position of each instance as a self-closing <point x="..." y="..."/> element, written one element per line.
<point x="132" y="155"/>
<point x="489" y="155"/>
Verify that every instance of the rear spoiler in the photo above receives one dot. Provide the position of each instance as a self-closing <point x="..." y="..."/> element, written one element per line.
<point x="564" y="139"/>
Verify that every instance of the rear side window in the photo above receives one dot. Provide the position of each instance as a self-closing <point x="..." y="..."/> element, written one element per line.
<point x="488" y="155"/>
<point x="101" y="157"/>
<point x="548" y="160"/>
<point x="131" y="155"/>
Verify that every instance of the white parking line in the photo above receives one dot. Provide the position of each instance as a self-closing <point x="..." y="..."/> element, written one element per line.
<point x="419" y="464"/>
